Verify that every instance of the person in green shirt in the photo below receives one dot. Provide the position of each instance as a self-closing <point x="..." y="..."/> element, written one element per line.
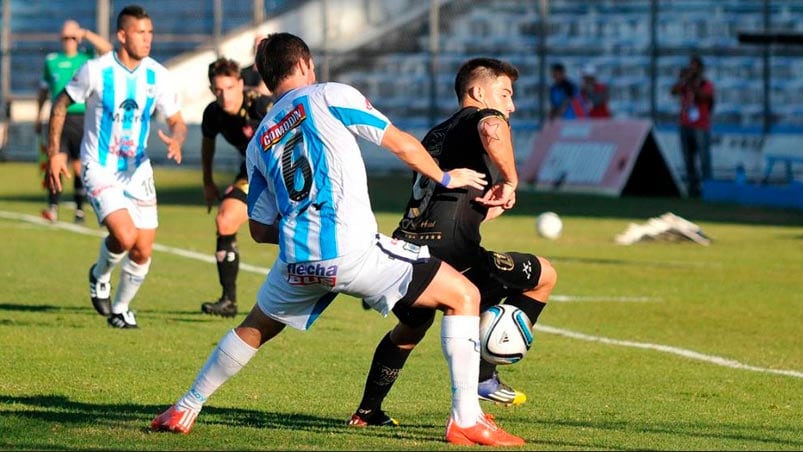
<point x="59" y="69"/>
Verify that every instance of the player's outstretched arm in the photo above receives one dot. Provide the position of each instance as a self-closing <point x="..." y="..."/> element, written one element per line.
<point x="409" y="150"/>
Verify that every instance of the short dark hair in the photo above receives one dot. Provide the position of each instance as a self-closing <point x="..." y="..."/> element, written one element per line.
<point x="134" y="11"/>
<point x="559" y="67"/>
<point x="223" y="66"/>
<point x="481" y="67"/>
<point x="277" y="55"/>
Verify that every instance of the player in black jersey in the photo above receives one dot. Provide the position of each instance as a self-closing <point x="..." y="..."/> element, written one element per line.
<point x="236" y="114"/>
<point x="478" y="136"/>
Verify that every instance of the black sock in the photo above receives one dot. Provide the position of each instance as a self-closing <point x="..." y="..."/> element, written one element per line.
<point x="487" y="370"/>
<point x="79" y="193"/>
<point x="53" y="199"/>
<point x="228" y="263"/>
<point x="385" y="368"/>
<point x="530" y="306"/>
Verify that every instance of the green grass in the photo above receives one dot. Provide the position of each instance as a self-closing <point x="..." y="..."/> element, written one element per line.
<point x="67" y="381"/>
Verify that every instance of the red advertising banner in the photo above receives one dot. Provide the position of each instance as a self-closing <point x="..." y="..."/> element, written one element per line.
<point x="597" y="156"/>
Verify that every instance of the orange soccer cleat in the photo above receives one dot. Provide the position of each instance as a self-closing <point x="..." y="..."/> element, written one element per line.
<point x="175" y="420"/>
<point x="485" y="432"/>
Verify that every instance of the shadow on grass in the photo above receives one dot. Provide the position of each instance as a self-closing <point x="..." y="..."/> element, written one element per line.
<point x="58" y="409"/>
<point x="740" y="433"/>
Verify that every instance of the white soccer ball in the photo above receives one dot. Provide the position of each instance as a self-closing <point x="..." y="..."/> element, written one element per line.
<point x="549" y="225"/>
<point x="505" y="334"/>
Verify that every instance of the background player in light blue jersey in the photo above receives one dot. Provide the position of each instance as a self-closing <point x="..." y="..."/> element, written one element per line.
<point x="308" y="193"/>
<point x="121" y="89"/>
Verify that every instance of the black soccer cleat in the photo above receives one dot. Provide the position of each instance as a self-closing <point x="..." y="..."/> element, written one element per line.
<point x="223" y="307"/>
<point x="124" y="320"/>
<point x="372" y="418"/>
<point x="100" y="294"/>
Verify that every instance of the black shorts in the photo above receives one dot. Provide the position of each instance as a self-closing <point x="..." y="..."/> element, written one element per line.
<point x="423" y="274"/>
<point x="72" y="134"/>
<point x="239" y="188"/>
<point x="500" y="275"/>
<point x="496" y="275"/>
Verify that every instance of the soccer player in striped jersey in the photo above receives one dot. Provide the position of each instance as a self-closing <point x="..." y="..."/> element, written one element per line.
<point x="122" y="90"/>
<point x="308" y="193"/>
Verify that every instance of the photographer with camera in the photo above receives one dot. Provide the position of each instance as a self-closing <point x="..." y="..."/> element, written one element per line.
<point x="696" y="95"/>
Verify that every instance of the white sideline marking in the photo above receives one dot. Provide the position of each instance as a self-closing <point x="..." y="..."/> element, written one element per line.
<point x="102" y="233"/>
<point x="690" y="354"/>
<point x="718" y="360"/>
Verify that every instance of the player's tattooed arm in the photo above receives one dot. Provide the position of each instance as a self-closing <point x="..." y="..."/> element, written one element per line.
<point x="497" y="140"/>
<point x="58" y="114"/>
<point x="489" y="129"/>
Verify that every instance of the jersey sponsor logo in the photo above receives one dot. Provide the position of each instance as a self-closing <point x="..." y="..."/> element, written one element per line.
<point x="123" y="146"/>
<point x="312" y="274"/>
<point x="286" y="124"/>
<point x="126" y="112"/>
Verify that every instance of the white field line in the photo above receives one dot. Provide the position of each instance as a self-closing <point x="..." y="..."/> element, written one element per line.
<point x="719" y="361"/>
<point x="690" y="354"/>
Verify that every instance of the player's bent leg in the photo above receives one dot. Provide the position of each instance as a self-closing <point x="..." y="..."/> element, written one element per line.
<point x="389" y="357"/>
<point x="232" y="353"/>
<point x="231" y="216"/>
<point x="122" y="231"/>
<point x="459" y="299"/>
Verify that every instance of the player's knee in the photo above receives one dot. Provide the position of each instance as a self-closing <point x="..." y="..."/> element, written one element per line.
<point x="140" y="255"/>
<point x="466" y="298"/>
<point x="407" y="337"/>
<point x="549" y="276"/>
<point x="125" y="238"/>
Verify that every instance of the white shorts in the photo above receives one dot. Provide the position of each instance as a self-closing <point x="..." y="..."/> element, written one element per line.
<point x="297" y="293"/>
<point x="109" y="191"/>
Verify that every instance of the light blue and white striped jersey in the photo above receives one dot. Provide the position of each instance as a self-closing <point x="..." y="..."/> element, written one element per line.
<point x="119" y="107"/>
<point x="304" y="164"/>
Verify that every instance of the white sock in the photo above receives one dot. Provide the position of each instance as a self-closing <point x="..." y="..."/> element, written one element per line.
<point x="460" y="339"/>
<point x="106" y="262"/>
<point x="230" y="355"/>
<point x="132" y="275"/>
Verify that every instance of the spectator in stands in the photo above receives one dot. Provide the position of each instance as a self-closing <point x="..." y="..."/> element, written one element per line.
<point x="696" y="95"/>
<point x="251" y="78"/>
<point x="594" y="93"/>
<point x="564" y="96"/>
<point x="60" y="67"/>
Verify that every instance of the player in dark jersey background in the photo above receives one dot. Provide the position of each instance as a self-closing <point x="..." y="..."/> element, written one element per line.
<point x="478" y="136"/>
<point x="235" y="114"/>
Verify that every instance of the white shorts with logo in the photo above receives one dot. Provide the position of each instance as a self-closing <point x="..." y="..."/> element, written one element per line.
<point x="297" y="293"/>
<point x="109" y="191"/>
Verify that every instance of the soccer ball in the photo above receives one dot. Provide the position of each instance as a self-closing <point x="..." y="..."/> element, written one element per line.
<point x="505" y="334"/>
<point x="549" y="225"/>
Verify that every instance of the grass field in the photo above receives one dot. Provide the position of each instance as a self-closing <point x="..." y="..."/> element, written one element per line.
<point x="653" y="346"/>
